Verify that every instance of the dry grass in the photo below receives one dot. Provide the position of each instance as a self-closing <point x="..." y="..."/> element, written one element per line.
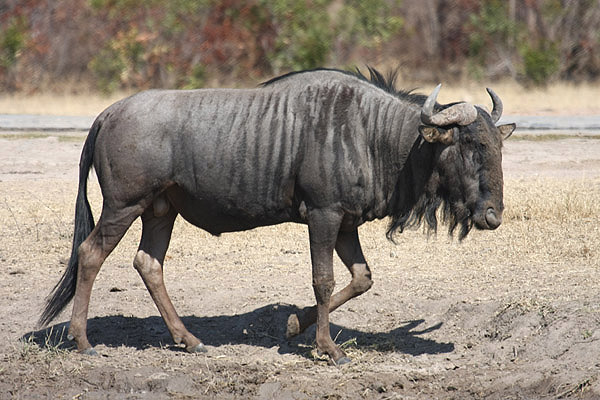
<point x="56" y="103"/>
<point x="552" y="200"/>
<point x="554" y="224"/>
<point x="558" y="98"/>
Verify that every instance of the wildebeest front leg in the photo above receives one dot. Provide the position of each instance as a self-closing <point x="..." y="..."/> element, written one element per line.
<point x="348" y="249"/>
<point x="323" y="228"/>
<point x="156" y="233"/>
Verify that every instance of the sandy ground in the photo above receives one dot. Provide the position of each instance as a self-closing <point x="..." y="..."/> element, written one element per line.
<point x="509" y="314"/>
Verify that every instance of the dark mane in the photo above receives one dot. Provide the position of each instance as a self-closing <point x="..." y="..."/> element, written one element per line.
<point x="388" y="83"/>
<point x="376" y="78"/>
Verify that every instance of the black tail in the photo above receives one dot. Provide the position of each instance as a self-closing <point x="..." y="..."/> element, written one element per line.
<point x="64" y="290"/>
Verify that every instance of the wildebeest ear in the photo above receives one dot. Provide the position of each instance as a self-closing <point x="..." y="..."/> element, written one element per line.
<point x="507" y="130"/>
<point x="434" y="134"/>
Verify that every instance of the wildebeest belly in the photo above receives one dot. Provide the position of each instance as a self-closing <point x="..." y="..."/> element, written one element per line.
<point x="217" y="215"/>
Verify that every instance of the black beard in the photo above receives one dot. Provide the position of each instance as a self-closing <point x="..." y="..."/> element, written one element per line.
<point x="455" y="213"/>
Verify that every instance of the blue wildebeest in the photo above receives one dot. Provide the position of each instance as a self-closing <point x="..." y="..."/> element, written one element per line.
<point x="326" y="148"/>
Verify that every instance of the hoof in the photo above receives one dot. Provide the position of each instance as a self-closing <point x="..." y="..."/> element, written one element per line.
<point x="293" y="326"/>
<point x="199" y="348"/>
<point x="90" y="351"/>
<point x="342" y="361"/>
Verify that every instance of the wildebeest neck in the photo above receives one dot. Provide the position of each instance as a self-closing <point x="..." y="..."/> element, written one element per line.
<point x="391" y="126"/>
<point x="416" y="196"/>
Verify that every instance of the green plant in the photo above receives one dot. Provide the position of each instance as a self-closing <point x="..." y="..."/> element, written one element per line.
<point x="368" y="22"/>
<point x="196" y="77"/>
<point x="540" y="62"/>
<point x="144" y="44"/>
<point x="107" y="67"/>
<point x="489" y="29"/>
<point x="494" y="31"/>
<point x="12" y="41"/>
<point x="303" y="35"/>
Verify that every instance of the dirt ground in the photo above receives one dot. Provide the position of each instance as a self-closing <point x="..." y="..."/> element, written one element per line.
<point x="509" y="314"/>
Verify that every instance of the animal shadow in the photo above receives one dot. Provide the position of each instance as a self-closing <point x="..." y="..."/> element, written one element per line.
<point x="263" y="327"/>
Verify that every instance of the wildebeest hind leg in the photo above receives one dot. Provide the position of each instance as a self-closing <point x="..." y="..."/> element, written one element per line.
<point x="109" y="230"/>
<point x="348" y="249"/>
<point x="156" y="234"/>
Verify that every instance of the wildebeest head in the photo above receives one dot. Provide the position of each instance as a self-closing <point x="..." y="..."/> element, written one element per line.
<point x="467" y="176"/>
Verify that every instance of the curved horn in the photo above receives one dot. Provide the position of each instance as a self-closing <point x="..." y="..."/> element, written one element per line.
<point x="497" y="110"/>
<point x="461" y="113"/>
<point x="427" y="110"/>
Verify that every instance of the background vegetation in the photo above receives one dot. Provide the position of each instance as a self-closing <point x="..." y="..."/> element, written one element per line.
<point x="109" y="45"/>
